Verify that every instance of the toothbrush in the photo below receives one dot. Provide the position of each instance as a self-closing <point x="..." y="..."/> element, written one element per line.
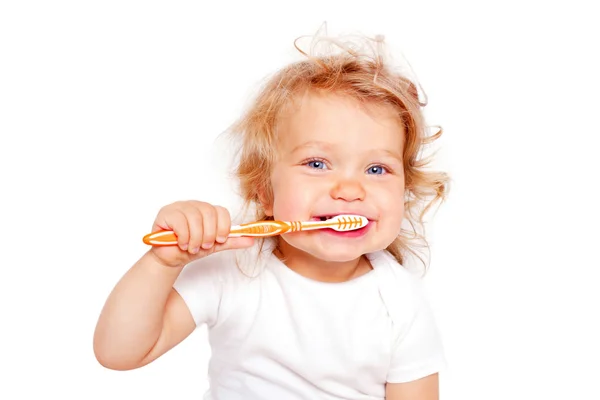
<point x="340" y="223"/>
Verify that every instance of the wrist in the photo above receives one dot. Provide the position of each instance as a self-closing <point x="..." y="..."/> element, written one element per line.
<point x="159" y="264"/>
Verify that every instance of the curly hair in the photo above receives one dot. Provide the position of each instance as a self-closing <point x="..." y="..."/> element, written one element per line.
<point x="361" y="73"/>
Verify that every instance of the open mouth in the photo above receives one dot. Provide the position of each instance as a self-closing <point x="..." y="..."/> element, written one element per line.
<point x="323" y="218"/>
<point x="344" y="231"/>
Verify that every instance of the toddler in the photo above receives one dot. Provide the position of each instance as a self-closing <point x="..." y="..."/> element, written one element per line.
<point x="305" y="315"/>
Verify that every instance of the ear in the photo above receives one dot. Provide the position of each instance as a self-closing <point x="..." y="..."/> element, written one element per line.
<point x="265" y="198"/>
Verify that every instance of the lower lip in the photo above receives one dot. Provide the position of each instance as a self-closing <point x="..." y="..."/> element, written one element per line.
<point x="348" y="234"/>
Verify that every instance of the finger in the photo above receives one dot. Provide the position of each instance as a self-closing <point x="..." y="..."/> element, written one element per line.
<point x="209" y="216"/>
<point x="160" y="222"/>
<point x="235" y="243"/>
<point x="223" y="224"/>
<point x="177" y="222"/>
<point x="195" y="221"/>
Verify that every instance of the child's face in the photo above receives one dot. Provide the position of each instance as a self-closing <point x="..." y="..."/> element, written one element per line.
<point x="335" y="158"/>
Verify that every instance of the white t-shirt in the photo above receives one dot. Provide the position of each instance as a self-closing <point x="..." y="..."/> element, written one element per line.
<point x="275" y="334"/>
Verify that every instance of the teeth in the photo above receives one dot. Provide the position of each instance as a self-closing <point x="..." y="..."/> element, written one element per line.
<point x="323" y="218"/>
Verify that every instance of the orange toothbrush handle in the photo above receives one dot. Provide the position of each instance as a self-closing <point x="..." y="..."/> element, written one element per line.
<point x="161" y="238"/>
<point x="267" y="228"/>
<point x="263" y="228"/>
<point x="256" y="229"/>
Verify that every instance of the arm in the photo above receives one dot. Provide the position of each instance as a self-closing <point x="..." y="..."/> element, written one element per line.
<point x="142" y="318"/>
<point x="426" y="388"/>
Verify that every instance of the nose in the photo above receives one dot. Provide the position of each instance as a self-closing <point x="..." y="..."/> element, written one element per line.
<point x="348" y="190"/>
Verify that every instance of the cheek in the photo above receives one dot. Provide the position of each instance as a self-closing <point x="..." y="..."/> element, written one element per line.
<point x="286" y="198"/>
<point x="391" y="200"/>
<point x="292" y="199"/>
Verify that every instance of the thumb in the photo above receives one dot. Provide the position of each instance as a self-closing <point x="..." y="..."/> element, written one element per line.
<point x="234" y="243"/>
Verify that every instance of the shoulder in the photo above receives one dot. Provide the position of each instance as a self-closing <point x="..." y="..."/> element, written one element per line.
<point x="228" y="266"/>
<point x="214" y="285"/>
<point x="401" y="290"/>
<point x="417" y="349"/>
<point x="392" y="273"/>
<point x="215" y="267"/>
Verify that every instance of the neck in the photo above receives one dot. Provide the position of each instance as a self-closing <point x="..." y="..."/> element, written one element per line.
<point x="320" y="270"/>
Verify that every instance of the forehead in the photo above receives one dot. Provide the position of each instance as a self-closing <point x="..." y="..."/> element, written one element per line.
<point x="316" y="117"/>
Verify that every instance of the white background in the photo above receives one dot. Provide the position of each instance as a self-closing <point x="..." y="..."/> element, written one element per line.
<point x="109" y="110"/>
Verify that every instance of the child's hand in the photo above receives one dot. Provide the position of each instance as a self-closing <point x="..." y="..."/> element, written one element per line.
<point x="201" y="229"/>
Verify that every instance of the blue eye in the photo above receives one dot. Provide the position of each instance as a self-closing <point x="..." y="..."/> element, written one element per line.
<point x="376" y="170"/>
<point x="316" y="164"/>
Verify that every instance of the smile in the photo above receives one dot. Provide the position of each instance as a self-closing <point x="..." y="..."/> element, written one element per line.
<point x="354" y="233"/>
<point x="327" y="217"/>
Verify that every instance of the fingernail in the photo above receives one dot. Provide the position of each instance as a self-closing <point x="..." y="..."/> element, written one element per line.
<point x="206" y="246"/>
<point x="221" y="239"/>
<point x="183" y="247"/>
<point x="194" y="250"/>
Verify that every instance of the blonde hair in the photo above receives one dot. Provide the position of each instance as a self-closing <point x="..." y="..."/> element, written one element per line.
<point x="361" y="74"/>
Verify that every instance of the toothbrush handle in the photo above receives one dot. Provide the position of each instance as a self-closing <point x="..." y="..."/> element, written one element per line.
<point x="272" y="228"/>
<point x="255" y="229"/>
<point x="267" y="228"/>
<point x="161" y="238"/>
<point x="264" y="228"/>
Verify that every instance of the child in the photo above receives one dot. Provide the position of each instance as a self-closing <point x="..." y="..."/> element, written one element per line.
<point x="304" y="315"/>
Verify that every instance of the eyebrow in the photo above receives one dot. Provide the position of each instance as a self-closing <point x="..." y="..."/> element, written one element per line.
<point x="329" y="146"/>
<point x="392" y="154"/>
<point x="313" y="143"/>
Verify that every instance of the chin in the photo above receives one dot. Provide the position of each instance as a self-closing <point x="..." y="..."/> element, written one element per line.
<point x="342" y="254"/>
<point x="332" y="251"/>
<point x="339" y="258"/>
